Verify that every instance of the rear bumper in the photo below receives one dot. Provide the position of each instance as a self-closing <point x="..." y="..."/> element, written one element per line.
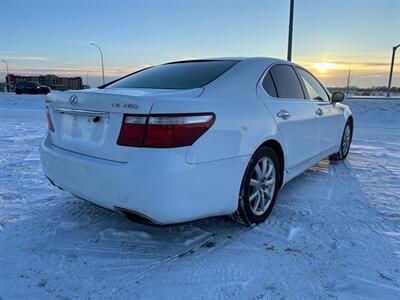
<point x="156" y="183"/>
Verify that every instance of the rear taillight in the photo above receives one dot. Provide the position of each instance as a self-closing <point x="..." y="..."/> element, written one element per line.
<point x="49" y="122"/>
<point x="168" y="131"/>
<point x="164" y="130"/>
<point x="132" y="131"/>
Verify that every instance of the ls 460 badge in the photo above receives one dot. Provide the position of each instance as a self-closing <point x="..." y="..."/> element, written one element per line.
<point x="125" y="105"/>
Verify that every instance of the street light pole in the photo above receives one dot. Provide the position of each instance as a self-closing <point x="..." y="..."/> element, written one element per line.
<point x="102" y="63"/>
<point x="87" y="79"/>
<point x="7" y="77"/>
<point x="391" y="69"/>
<point x="289" y="50"/>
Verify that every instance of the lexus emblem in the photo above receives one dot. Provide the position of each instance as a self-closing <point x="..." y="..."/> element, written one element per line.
<point x="73" y="100"/>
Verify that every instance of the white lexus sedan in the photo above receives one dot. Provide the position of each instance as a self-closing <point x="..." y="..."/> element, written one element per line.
<point x="194" y="139"/>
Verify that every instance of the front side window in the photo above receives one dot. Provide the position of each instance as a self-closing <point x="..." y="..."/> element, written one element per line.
<point x="314" y="89"/>
<point x="179" y="75"/>
<point x="286" y="82"/>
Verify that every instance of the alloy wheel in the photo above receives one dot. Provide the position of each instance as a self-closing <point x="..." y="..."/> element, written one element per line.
<point x="262" y="186"/>
<point x="346" y="140"/>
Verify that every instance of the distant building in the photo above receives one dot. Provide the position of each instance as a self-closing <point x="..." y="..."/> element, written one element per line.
<point x="53" y="81"/>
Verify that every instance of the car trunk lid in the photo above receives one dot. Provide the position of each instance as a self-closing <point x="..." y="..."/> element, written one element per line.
<point x="89" y="122"/>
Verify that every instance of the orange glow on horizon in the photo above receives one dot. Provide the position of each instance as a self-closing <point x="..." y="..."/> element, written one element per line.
<point x="324" y="67"/>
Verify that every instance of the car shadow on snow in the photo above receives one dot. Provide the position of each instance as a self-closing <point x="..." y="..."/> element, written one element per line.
<point x="83" y="228"/>
<point x="80" y="228"/>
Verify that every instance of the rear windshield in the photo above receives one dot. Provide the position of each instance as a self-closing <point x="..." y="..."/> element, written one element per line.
<point x="179" y="75"/>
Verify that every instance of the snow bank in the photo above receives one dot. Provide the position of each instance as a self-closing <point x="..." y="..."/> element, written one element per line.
<point x="370" y="113"/>
<point x="22" y="106"/>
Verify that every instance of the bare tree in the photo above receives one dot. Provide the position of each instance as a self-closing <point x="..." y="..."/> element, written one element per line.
<point x="349" y="77"/>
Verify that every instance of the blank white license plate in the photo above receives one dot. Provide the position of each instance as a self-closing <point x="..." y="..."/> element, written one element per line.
<point x="81" y="127"/>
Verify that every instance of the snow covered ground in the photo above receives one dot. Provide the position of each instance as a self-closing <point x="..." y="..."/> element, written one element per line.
<point x="334" y="232"/>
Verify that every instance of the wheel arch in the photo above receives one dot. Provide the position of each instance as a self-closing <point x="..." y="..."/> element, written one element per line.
<point x="277" y="147"/>
<point x="350" y="120"/>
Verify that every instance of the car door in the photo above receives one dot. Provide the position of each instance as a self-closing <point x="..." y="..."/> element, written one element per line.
<point x="31" y="87"/>
<point x="284" y="97"/>
<point x="327" y="113"/>
<point x="23" y="87"/>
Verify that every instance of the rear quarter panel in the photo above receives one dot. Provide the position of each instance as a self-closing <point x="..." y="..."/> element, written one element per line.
<point x="240" y="127"/>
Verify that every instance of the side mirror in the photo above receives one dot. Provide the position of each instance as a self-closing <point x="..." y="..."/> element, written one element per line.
<point x="338" y="97"/>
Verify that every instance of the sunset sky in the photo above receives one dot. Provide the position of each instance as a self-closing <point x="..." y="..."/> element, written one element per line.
<point x="330" y="37"/>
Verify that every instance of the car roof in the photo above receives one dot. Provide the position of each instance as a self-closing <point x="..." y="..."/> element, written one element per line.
<point x="242" y="78"/>
<point x="234" y="58"/>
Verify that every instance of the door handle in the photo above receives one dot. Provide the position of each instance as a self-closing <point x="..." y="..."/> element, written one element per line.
<point x="283" y="114"/>
<point x="319" y="112"/>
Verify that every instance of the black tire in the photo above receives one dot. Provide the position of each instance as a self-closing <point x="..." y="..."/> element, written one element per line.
<point x="344" y="150"/>
<point x="18" y="91"/>
<point x="244" y="214"/>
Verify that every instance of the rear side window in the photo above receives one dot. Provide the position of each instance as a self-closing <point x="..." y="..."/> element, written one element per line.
<point x="180" y="75"/>
<point x="22" y="84"/>
<point x="269" y="85"/>
<point x="286" y="82"/>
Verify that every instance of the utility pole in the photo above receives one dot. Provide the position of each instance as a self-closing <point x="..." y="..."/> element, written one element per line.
<point x="348" y="81"/>
<point x="7" y="77"/>
<point x="391" y="69"/>
<point x="289" y="50"/>
<point x="87" y="79"/>
<point x="101" y="55"/>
